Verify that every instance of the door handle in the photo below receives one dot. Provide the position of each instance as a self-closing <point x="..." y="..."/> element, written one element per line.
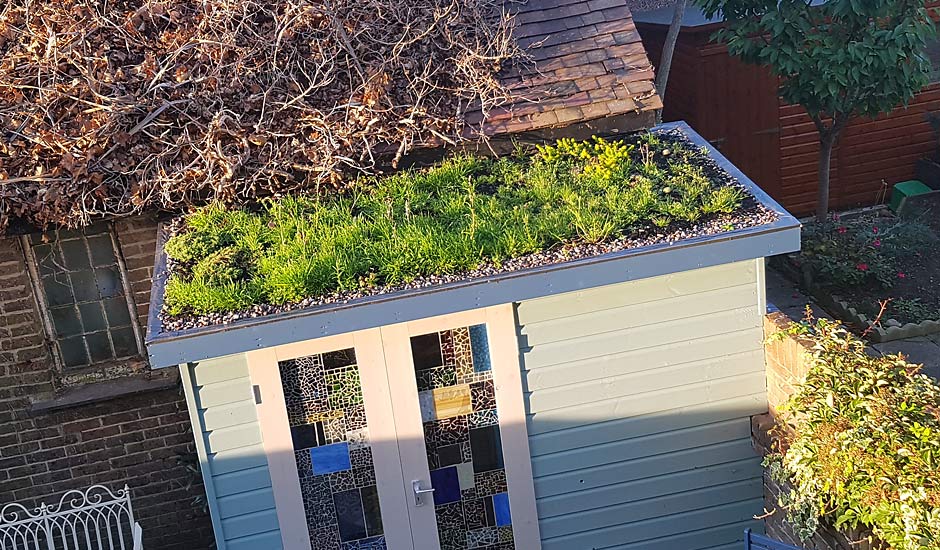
<point x="416" y="485"/>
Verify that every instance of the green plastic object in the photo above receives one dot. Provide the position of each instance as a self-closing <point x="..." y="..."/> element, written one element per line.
<point x="906" y="189"/>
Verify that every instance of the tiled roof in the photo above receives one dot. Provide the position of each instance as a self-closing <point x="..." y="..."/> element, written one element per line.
<point x="589" y="63"/>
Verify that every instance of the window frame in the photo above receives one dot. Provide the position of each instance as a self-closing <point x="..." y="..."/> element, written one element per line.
<point x="39" y="297"/>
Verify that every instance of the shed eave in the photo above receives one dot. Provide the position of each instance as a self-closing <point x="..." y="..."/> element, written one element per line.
<point x="778" y="237"/>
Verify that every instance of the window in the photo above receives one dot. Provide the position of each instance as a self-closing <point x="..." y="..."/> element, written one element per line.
<point x="80" y="284"/>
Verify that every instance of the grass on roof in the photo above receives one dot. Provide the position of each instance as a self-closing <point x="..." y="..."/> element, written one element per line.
<point x="450" y="218"/>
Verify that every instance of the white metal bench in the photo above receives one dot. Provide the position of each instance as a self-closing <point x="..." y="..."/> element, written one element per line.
<point x="94" y="519"/>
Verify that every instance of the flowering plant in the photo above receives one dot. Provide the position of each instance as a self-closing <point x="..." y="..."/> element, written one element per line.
<point x="866" y="250"/>
<point x="865" y="443"/>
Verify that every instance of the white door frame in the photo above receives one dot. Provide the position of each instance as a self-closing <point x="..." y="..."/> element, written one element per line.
<point x="393" y="414"/>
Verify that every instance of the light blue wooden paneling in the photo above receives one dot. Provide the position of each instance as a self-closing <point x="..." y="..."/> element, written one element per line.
<point x="638" y="402"/>
<point x="234" y="466"/>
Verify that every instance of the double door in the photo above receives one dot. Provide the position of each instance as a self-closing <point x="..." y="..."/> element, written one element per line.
<point x="408" y="436"/>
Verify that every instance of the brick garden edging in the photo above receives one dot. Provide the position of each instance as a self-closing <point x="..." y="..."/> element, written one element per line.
<point x="787" y="361"/>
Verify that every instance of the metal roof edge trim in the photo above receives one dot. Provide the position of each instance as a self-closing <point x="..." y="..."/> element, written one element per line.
<point x="174" y="348"/>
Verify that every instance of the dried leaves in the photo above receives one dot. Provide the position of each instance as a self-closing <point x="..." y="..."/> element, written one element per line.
<point x="110" y="108"/>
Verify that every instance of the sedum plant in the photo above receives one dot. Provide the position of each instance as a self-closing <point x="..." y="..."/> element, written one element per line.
<point x="864" y="448"/>
<point x="451" y="218"/>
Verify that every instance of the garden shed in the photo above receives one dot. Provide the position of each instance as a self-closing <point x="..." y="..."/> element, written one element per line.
<point x="596" y="401"/>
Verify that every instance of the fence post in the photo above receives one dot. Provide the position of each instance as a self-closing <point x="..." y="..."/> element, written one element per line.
<point x="46" y="526"/>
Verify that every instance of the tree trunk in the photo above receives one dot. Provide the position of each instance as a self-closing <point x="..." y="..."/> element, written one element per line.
<point x="826" y="141"/>
<point x="669" y="48"/>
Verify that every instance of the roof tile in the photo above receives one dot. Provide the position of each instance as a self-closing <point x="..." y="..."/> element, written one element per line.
<point x="588" y="62"/>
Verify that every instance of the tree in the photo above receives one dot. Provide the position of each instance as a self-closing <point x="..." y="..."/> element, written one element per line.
<point x="838" y="58"/>
<point x="669" y="48"/>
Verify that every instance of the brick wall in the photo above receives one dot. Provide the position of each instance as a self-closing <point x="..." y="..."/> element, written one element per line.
<point x="131" y="439"/>
<point x="787" y="361"/>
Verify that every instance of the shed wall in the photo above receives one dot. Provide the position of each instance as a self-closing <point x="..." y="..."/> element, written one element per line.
<point x="235" y="468"/>
<point x="638" y="401"/>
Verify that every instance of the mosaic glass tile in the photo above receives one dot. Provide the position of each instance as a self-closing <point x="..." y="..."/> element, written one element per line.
<point x="479" y="419"/>
<point x="370" y="507"/>
<point x="465" y="476"/>
<point x="349" y="513"/>
<point x="342" y="481"/>
<point x="457" y="398"/>
<point x="304" y="387"/>
<point x="371" y="543"/>
<point x="490" y="483"/>
<point x="334" y="429"/>
<point x="489" y="511"/>
<point x="505" y="534"/>
<point x="344" y="389"/>
<point x="339" y="358"/>
<point x="355" y="417"/>
<point x="474" y="513"/>
<point x="483" y="395"/>
<point x="481" y="538"/>
<point x="358" y="439"/>
<point x="307" y="436"/>
<point x="330" y="458"/>
<point x="437" y="377"/>
<point x="451" y="527"/>
<point x="501" y="507"/>
<point x="446" y="432"/>
<point x="446" y="485"/>
<point x="426" y="351"/>
<point x="486" y="448"/>
<point x="451" y="401"/>
<point x="447" y="348"/>
<point x="323" y="396"/>
<point x="449" y="455"/>
<point x="304" y="465"/>
<point x="480" y="348"/>
<point x="465" y="451"/>
<point x="426" y="404"/>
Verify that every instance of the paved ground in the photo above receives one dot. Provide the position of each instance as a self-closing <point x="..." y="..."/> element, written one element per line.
<point x="787" y="298"/>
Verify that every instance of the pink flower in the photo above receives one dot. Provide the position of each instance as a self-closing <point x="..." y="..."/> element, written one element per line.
<point x="876" y="243"/>
<point x="901" y="275"/>
<point x="862" y="267"/>
<point x="843" y="229"/>
<point x="836" y="216"/>
<point x="874" y="230"/>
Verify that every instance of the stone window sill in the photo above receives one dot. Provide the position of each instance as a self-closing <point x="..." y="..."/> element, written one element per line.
<point x="106" y="390"/>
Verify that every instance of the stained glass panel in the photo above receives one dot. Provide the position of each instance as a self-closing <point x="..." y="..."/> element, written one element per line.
<point x="325" y="409"/>
<point x="454" y="377"/>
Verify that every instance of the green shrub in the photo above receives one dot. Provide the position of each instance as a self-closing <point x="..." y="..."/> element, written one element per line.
<point x="446" y="219"/>
<point x="866" y="443"/>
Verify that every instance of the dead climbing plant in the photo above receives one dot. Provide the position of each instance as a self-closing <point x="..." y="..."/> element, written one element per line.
<point x="107" y="108"/>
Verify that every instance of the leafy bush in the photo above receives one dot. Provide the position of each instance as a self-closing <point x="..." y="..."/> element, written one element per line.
<point x="865" y="448"/>
<point x="450" y="218"/>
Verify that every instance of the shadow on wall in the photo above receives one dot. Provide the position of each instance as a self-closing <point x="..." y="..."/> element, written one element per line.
<point x="647" y="475"/>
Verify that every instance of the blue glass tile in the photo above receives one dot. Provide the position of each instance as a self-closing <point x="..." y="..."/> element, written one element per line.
<point x="349" y="515"/>
<point x="501" y="507"/>
<point x="480" y="348"/>
<point x="330" y="458"/>
<point x="446" y="485"/>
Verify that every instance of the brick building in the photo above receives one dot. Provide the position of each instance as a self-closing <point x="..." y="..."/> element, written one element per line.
<point x="66" y="425"/>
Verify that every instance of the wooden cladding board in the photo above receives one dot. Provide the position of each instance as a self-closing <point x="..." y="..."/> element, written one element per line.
<point x="234" y="466"/>
<point x="638" y="400"/>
